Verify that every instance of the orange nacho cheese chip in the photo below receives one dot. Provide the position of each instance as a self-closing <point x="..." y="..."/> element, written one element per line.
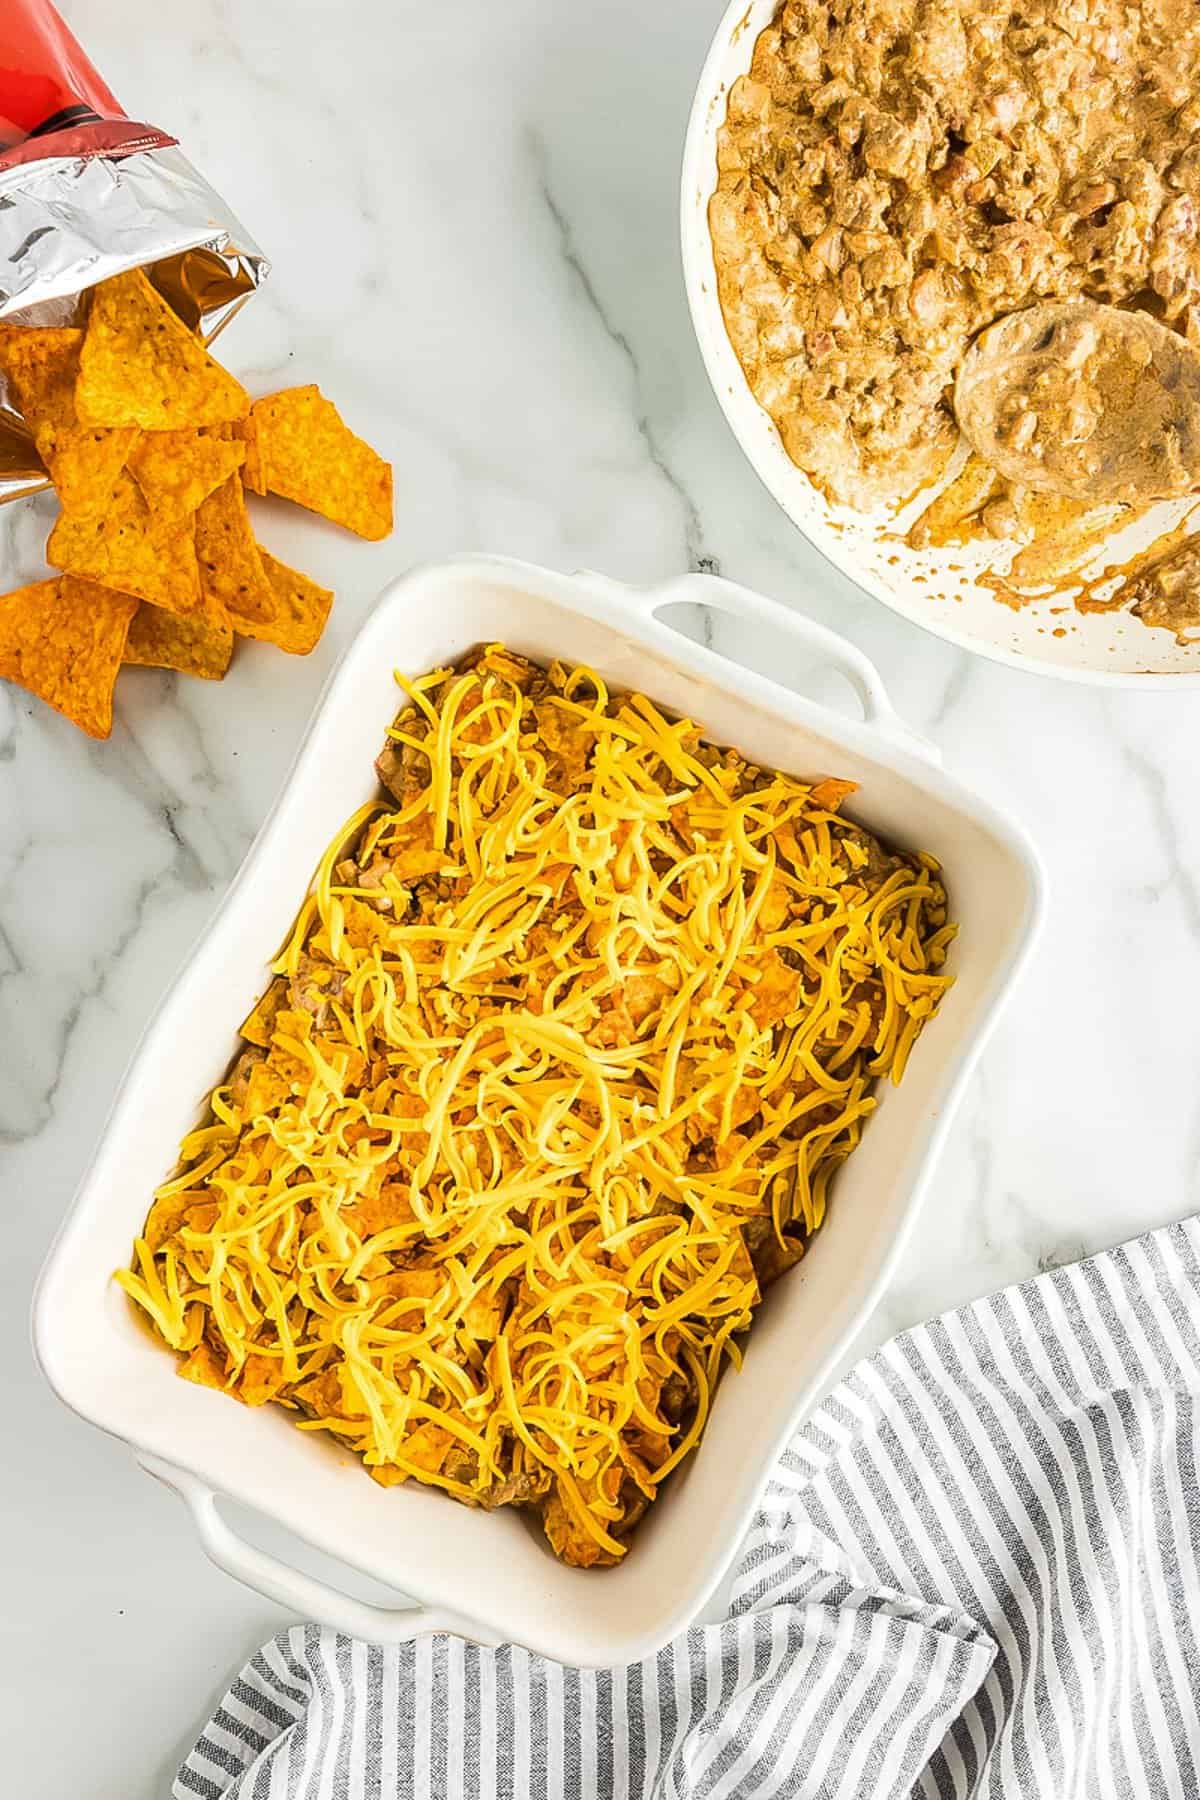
<point x="252" y="471"/>
<point x="63" y="640"/>
<point x="303" y="607"/>
<point x="151" y="446"/>
<point x="140" y="365"/>
<point x="41" y="363"/>
<point x="232" y="576"/>
<point x="190" y="643"/>
<point x="85" y="464"/>
<point x="299" y="447"/>
<point x="83" y="461"/>
<point x="125" y="548"/>
<point x="177" y="470"/>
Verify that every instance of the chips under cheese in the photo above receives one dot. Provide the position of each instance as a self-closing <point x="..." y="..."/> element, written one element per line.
<point x="575" y="1026"/>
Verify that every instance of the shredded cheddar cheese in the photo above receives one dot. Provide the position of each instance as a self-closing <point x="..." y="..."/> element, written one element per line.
<point x="567" y="1043"/>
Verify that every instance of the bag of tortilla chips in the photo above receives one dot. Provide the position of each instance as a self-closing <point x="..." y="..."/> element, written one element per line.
<point x="86" y="193"/>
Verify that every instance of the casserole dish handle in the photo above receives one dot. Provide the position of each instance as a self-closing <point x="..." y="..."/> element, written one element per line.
<point x="826" y="646"/>
<point x="305" y="1595"/>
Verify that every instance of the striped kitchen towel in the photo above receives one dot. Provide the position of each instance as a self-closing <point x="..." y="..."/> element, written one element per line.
<point x="976" y="1572"/>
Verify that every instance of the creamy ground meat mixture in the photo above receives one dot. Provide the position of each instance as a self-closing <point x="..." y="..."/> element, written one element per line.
<point x="1097" y="403"/>
<point x="895" y="174"/>
<point x="1167" y="593"/>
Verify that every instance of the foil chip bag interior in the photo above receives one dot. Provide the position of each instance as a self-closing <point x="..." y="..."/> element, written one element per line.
<point x="86" y="193"/>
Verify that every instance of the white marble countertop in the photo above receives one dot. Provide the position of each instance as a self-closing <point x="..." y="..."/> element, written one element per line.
<point x="472" y="216"/>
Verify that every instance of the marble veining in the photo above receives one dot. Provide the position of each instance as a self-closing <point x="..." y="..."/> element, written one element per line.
<point x="472" y="215"/>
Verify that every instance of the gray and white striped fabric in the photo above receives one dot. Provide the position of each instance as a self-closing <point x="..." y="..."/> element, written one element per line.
<point x="976" y="1572"/>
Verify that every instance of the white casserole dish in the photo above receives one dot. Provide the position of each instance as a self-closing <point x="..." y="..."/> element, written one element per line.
<point x="491" y="1576"/>
<point x="938" y="589"/>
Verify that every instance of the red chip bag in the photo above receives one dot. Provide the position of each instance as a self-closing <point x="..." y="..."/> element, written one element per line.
<point x="88" y="193"/>
<point x="52" y="102"/>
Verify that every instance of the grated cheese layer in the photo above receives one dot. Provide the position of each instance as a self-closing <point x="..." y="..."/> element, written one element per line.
<point x="571" y="1034"/>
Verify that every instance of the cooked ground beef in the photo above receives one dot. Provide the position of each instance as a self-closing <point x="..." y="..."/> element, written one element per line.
<point x="895" y="174"/>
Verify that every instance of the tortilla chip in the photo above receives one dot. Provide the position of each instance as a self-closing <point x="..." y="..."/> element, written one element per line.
<point x="171" y="1212"/>
<point x="203" y="1367"/>
<point x="259" y="1027"/>
<point x="63" y="641"/>
<point x="190" y="643"/>
<point x="303" y="607"/>
<point x="83" y="461"/>
<point x="830" y="793"/>
<point x="140" y="365"/>
<point x="252" y="469"/>
<point x="297" y="446"/>
<point x="85" y="464"/>
<point x="266" y="1090"/>
<point x="177" y="470"/>
<point x="426" y="1447"/>
<point x="231" y="571"/>
<point x="259" y="1379"/>
<point x="126" y="549"/>
<point x="41" y="363"/>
